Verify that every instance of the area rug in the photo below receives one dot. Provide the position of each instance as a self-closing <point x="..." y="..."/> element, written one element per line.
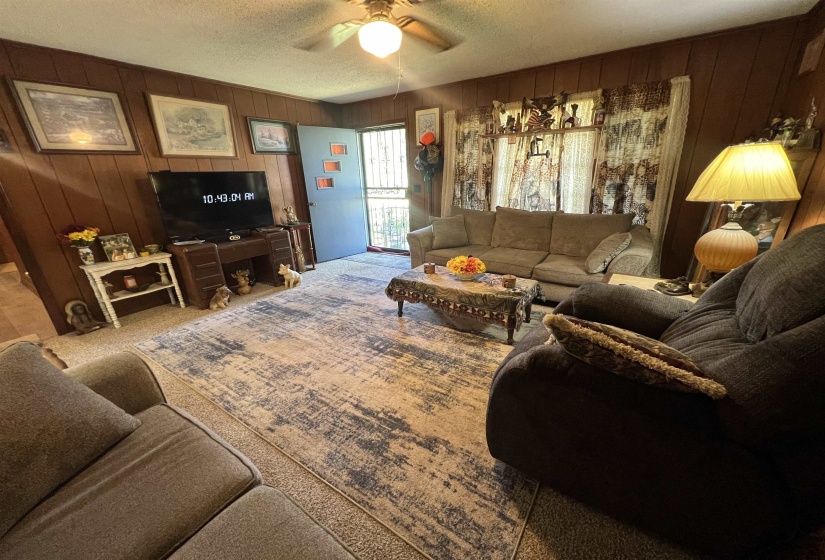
<point x="389" y="411"/>
<point x="401" y="262"/>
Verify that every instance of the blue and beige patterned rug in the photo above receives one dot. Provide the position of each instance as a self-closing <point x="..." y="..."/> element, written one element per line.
<point x="388" y="411"/>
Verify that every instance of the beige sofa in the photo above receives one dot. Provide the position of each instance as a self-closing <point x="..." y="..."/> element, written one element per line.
<point x="551" y="247"/>
<point x="95" y="464"/>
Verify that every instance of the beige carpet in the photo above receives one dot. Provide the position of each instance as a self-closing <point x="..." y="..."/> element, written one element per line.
<point x="558" y="527"/>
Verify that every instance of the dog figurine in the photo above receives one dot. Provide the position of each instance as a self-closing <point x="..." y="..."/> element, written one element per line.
<point x="242" y="276"/>
<point x="291" y="278"/>
<point x="221" y="298"/>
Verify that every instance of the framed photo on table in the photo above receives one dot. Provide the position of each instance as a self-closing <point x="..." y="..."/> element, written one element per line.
<point x="71" y="119"/>
<point x="118" y="247"/>
<point x="271" y="137"/>
<point x="192" y="128"/>
<point x="427" y="120"/>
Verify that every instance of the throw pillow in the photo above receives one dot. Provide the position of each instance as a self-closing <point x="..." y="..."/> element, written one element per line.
<point x="51" y="427"/>
<point x="631" y="355"/>
<point x="479" y="225"/>
<point x="449" y="232"/>
<point x="522" y="229"/>
<point x="607" y="250"/>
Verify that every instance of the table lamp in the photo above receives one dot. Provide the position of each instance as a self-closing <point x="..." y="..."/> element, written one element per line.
<point x="756" y="172"/>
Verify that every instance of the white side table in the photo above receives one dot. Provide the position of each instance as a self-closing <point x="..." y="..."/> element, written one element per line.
<point x="644" y="283"/>
<point x="96" y="272"/>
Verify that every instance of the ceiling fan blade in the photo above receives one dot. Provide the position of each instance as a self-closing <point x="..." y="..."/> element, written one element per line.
<point x="332" y="37"/>
<point x="423" y="33"/>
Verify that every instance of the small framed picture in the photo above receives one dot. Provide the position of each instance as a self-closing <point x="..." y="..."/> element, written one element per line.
<point x="324" y="183"/>
<point x="73" y="119"/>
<point x="427" y="120"/>
<point x="192" y="128"/>
<point x="271" y="137"/>
<point x="332" y="166"/>
<point x="118" y="247"/>
<point x="813" y="52"/>
<point x="337" y="149"/>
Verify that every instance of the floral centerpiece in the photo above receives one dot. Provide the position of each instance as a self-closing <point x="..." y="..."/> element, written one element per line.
<point x="81" y="237"/>
<point x="466" y="268"/>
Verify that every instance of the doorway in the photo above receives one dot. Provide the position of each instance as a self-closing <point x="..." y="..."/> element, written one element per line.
<point x="384" y="156"/>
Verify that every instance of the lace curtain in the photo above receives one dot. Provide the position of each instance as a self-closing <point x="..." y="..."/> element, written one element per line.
<point x="537" y="183"/>
<point x="640" y="149"/>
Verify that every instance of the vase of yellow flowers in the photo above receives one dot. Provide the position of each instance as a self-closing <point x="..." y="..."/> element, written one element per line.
<point x="80" y="237"/>
<point x="466" y="268"/>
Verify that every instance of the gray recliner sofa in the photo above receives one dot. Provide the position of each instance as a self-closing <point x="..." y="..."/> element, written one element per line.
<point x="95" y="464"/>
<point x="550" y="247"/>
<point x="734" y="477"/>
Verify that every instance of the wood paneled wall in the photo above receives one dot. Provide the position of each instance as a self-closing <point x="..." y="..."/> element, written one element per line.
<point x="801" y="90"/>
<point x="48" y="192"/>
<point x="739" y="78"/>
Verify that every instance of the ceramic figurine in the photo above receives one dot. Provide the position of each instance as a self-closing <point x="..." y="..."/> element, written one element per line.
<point x="221" y="298"/>
<point x="291" y="218"/>
<point x="291" y="278"/>
<point x="242" y="276"/>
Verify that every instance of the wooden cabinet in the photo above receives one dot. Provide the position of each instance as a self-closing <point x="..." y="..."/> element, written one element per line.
<point x="205" y="267"/>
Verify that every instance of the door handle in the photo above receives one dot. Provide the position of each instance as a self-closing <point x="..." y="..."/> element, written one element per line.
<point x="312" y="204"/>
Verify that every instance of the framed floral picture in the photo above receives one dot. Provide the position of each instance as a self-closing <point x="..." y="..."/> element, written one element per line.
<point x="71" y="119"/>
<point x="427" y="120"/>
<point x="192" y="128"/>
<point x="271" y="137"/>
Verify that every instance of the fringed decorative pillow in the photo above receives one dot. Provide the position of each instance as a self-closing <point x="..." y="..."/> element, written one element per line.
<point x="630" y="355"/>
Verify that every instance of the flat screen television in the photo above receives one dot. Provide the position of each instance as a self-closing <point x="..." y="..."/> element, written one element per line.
<point x="212" y="205"/>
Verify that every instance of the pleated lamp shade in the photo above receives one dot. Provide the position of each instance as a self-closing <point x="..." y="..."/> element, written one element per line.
<point x="747" y="172"/>
<point x="743" y="173"/>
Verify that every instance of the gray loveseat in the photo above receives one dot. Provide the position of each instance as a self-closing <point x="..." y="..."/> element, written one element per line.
<point x="550" y="247"/>
<point x="95" y="464"/>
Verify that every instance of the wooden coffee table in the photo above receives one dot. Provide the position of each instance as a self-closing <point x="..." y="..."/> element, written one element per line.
<point x="483" y="300"/>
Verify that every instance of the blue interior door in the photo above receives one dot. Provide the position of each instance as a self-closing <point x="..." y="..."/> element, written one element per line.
<point x="332" y="173"/>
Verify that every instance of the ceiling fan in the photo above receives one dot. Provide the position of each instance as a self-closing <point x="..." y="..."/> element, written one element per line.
<point x="379" y="32"/>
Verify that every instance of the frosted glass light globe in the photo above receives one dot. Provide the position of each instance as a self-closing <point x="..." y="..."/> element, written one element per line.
<point x="380" y="38"/>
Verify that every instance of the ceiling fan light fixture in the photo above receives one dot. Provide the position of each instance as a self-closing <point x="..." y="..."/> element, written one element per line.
<point x="380" y="37"/>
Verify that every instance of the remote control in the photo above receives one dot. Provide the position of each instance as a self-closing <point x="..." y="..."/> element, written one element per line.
<point x="190" y="242"/>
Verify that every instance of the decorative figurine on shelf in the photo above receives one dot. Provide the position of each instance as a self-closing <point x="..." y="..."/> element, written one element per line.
<point x="242" y="276"/>
<point x="221" y="298"/>
<point x="291" y="218"/>
<point x="809" y="122"/>
<point x="110" y="289"/>
<point x="498" y="111"/>
<point x="539" y="110"/>
<point x="291" y="278"/>
<point x="164" y="277"/>
<point x="78" y="315"/>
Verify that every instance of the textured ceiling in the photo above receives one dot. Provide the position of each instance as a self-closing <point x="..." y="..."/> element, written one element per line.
<point x="250" y="42"/>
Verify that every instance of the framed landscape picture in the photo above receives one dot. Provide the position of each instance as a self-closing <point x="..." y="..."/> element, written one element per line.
<point x="271" y="137"/>
<point x="192" y="128"/>
<point x="63" y="118"/>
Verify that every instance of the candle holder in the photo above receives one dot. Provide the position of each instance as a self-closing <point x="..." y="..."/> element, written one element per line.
<point x="429" y="268"/>
<point x="508" y="281"/>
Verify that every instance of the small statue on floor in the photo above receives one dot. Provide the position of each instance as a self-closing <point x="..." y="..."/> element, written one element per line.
<point x="78" y="315"/>
<point x="221" y="298"/>
<point x="242" y="276"/>
<point x="291" y="278"/>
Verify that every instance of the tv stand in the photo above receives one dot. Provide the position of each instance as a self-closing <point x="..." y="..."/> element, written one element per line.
<point x="202" y="265"/>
